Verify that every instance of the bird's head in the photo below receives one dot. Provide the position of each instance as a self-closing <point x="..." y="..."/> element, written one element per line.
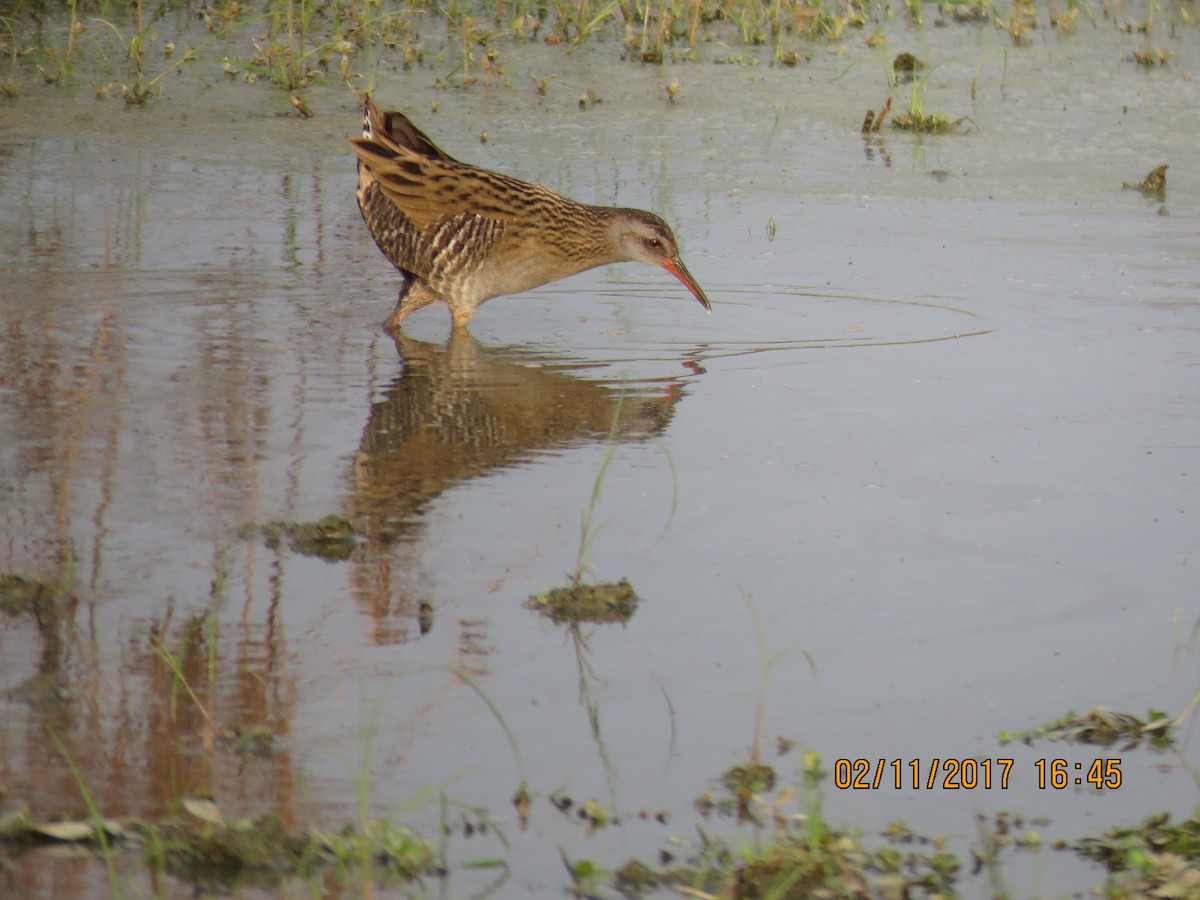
<point x="644" y="237"/>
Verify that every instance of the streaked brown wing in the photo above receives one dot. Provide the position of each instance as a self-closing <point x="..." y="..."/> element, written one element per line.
<point x="430" y="191"/>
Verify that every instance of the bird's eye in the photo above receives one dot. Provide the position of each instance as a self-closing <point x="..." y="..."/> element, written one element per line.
<point x="653" y="244"/>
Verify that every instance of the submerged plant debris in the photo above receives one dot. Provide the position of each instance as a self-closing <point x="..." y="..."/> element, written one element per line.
<point x="599" y="603"/>
<point x="1002" y="832"/>
<point x="43" y="691"/>
<point x="332" y="539"/>
<point x="257" y="741"/>
<point x="19" y="595"/>
<point x="1102" y="727"/>
<point x="804" y="856"/>
<point x="1150" y="57"/>
<point x="226" y="853"/>
<point x="635" y="879"/>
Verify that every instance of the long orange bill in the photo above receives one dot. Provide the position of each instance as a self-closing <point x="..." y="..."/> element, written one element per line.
<point x="676" y="267"/>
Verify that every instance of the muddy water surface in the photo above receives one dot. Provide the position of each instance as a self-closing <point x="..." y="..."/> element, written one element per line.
<point x="941" y="429"/>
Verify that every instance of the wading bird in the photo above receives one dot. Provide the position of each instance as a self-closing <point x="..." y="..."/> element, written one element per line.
<point x="463" y="235"/>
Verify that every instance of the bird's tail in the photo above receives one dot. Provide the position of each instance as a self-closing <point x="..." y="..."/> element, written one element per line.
<point x="394" y="128"/>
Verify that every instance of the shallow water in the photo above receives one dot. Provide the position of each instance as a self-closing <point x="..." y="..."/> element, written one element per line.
<point x="941" y="430"/>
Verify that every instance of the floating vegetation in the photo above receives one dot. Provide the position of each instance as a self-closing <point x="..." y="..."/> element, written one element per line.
<point x="1153" y="184"/>
<point x="589" y="98"/>
<point x="746" y="781"/>
<point x="635" y="879"/>
<point x="1001" y="832"/>
<point x="1064" y="19"/>
<point x="590" y="812"/>
<point x="1154" y="859"/>
<point x="905" y="65"/>
<point x="967" y="10"/>
<point x="804" y="856"/>
<point x="598" y="603"/>
<point x="1022" y="19"/>
<point x="215" y="851"/>
<point x="925" y="123"/>
<point x="332" y="539"/>
<point x="1150" y="57"/>
<point x="1102" y="727"/>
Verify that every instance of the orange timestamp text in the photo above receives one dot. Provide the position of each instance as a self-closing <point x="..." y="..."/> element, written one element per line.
<point x="956" y="774"/>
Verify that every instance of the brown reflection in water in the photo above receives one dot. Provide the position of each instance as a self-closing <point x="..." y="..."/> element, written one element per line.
<point x="83" y="670"/>
<point x="459" y="411"/>
<point x="873" y="143"/>
<point x="112" y="487"/>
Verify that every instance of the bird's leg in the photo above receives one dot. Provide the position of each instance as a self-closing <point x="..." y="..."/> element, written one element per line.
<point x="413" y="296"/>
<point x="392" y="325"/>
<point x="460" y="311"/>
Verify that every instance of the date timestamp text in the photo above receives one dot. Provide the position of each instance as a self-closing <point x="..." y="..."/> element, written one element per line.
<point x="956" y="774"/>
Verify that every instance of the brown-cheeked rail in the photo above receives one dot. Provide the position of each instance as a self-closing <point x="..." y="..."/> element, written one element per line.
<point x="463" y="235"/>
